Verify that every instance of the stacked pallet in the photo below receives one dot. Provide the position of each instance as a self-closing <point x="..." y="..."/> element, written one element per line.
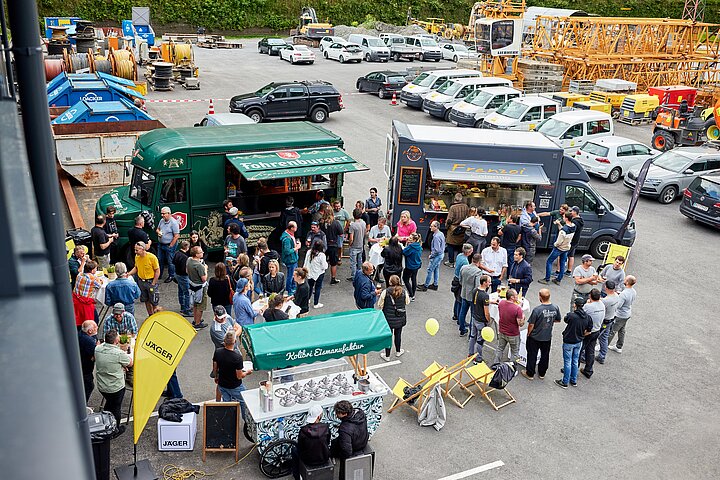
<point x="583" y="87"/>
<point x="539" y="77"/>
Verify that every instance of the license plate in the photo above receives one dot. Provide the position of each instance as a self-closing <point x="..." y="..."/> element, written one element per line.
<point x="403" y="101"/>
<point x="426" y="110"/>
<point x="700" y="206"/>
<point x="453" y="122"/>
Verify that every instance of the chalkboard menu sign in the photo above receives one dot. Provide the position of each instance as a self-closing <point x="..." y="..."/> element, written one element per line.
<point x="220" y="427"/>
<point x="410" y="185"/>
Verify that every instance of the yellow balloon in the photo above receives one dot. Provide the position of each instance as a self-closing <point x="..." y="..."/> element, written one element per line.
<point x="432" y="326"/>
<point x="488" y="334"/>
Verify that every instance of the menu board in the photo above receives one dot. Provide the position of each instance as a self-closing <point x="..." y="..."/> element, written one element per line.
<point x="410" y="185"/>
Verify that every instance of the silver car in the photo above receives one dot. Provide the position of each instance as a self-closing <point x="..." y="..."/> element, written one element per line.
<point x="672" y="171"/>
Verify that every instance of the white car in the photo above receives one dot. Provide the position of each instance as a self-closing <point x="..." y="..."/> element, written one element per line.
<point x="344" y="52"/>
<point x="327" y="41"/>
<point x="297" y="54"/>
<point x="456" y="51"/>
<point x="611" y="157"/>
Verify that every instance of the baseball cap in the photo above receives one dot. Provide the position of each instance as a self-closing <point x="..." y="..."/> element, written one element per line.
<point x="575" y="209"/>
<point x="314" y="223"/>
<point x="219" y="311"/>
<point x="118" y="308"/>
<point x="233" y="211"/>
<point x="141" y="245"/>
<point x="313" y="414"/>
<point x="587" y="257"/>
<point x="579" y="302"/>
<point x="241" y="283"/>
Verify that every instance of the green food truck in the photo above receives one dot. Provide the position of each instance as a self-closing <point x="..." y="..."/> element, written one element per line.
<point x="192" y="170"/>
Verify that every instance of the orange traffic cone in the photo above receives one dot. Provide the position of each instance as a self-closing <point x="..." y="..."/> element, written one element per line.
<point x="211" y="111"/>
<point x="394" y="99"/>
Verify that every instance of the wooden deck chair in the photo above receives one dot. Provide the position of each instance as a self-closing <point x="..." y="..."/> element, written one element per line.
<point x="415" y="400"/>
<point x="450" y="378"/>
<point x="480" y="376"/>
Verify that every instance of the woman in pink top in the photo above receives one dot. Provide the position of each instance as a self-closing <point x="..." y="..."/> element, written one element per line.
<point x="405" y="226"/>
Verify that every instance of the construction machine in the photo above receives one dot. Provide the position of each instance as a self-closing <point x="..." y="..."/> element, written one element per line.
<point x="495" y="27"/>
<point x="684" y="126"/>
<point x="310" y="28"/>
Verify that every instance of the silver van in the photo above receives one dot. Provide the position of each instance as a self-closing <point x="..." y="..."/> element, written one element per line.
<point x="414" y="92"/>
<point x="482" y="102"/>
<point x="439" y="102"/>
<point x="428" y="46"/>
<point x="374" y="48"/>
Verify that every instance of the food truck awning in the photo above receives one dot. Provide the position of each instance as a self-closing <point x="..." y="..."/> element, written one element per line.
<point x="294" y="163"/>
<point x="488" y="172"/>
<point x="289" y="343"/>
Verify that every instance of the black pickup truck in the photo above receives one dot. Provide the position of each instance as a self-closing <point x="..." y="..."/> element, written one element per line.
<point x="289" y="100"/>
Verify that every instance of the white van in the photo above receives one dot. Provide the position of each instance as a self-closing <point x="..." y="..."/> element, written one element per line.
<point x="414" y="92"/>
<point x="524" y="113"/>
<point x="572" y="129"/>
<point x="439" y="102"/>
<point x="473" y="109"/>
<point x="217" y="119"/>
<point x="374" y="48"/>
<point x="429" y="47"/>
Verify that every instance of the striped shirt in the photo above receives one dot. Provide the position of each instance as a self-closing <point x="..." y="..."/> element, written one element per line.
<point x="86" y="284"/>
<point x="126" y="325"/>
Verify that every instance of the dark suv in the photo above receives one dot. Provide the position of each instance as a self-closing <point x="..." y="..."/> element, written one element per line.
<point x="701" y="200"/>
<point x="289" y="100"/>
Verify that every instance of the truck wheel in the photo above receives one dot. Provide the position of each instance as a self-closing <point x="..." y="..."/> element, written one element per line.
<point x="614" y="175"/>
<point x="455" y="59"/>
<point x="446" y="117"/>
<point x="326" y="55"/>
<point x="359" y="87"/>
<point x="663" y="141"/>
<point x="256" y="116"/>
<point x="382" y="93"/>
<point x="668" y="194"/>
<point x="478" y="124"/>
<point x="396" y="57"/>
<point x="711" y="130"/>
<point x="318" y="115"/>
<point x="342" y="59"/>
<point x="367" y="57"/>
<point x="599" y="247"/>
<point x="437" y="59"/>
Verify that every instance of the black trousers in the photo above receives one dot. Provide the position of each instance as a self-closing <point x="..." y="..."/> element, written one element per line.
<point x="113" y="403"/>
<point x="89" y="384"/>
<point x="533" y="347"/>
<point x="397" y="335"/>
<point x="588" y="351"/>
<point x="409" y="278"/>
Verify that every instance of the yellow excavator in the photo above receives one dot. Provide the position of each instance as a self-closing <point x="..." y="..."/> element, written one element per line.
<point x="310" y="28"/>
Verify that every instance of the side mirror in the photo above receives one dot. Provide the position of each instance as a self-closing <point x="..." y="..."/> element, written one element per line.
<point x="271" y="97"/>
<point x="689" y="171"/>
<point x="600" y="210"/>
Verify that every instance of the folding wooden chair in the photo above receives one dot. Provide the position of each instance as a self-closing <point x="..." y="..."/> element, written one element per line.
<point x="450" y="378"/>
<point x="480" y="376"/>
<point x="415" y="400"/>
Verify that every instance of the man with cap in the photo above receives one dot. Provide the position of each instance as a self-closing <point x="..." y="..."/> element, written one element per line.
<point x="578" y="326"/>
<point x="147" y="268"/>
<point x="313" y="442"/>
<point x="120" y="320"/>
<point x="237" y="220"/>
<point x="579" y="223"/>
<point x="316" y="235"/>
<point x="242" y="306"/>
<point x="586" y="277"/>
<point x="168" y="232"/>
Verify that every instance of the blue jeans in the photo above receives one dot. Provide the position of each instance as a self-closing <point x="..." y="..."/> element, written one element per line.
<point x="571" y="359"/>
<point x="604" y="337"/>
<point x="233" y="395"/>
<point x="289" y="280"/>
<point x="510" y="258"/>
<point x="433" y="271"/>
<point x="316" y="287"/>
<point x="173" y="387"/>
<point x="551" y="259"/>
<point x="475" y="345"/>
<point x="494" y="283"/>
<point x="257" y="281"/>
<point x="183" y="282"/>
<point x="165" y="255"/>
<point x="457" y="304"/>
<point x="465" y="307"/>
<point x="355" y="260"/>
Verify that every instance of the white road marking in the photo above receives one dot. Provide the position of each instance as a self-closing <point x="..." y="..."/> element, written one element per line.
<point x="383" y="365"/>
<point x="473" y="471"/>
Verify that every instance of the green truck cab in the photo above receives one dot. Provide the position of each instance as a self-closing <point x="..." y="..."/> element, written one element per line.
<point x="192" y="170"/>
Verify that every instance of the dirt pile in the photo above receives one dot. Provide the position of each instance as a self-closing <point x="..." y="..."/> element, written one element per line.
<point x="380" y="27"/>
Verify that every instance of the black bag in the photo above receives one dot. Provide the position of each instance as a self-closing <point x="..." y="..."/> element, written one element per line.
<point x="455" y="286"/>
<point x="459" y="230"/>
<point x="504" y="372"/>
<point x="409" y="392"/>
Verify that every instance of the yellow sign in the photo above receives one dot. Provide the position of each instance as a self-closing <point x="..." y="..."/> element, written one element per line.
<point x="614" y="250"/>
<point x="161" y="343"/>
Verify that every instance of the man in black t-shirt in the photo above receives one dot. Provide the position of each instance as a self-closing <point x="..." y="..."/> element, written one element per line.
<point x="111" y="229"/>
<point x="228" y="370"/>
<point x="511" y="237"/>
<point x="101" y="242"/>
<point x="333" y="234"/>
<point x="135" y="235"/>
<point x="539" y="337"/>
<point x="579" y="224"/>
<point x="480" y="318"/>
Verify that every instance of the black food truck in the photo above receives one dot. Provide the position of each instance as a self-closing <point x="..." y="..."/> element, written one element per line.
<point x="497" y="171"/>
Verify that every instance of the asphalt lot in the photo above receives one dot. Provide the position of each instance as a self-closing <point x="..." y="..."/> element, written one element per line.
<point x="647" y="413"/>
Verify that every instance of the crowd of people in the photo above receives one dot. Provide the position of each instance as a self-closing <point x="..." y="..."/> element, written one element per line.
<point x="490" y="269"/>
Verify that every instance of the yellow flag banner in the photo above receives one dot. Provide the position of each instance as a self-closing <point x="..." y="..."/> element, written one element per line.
<point x="614" y="250"/>
<point x="161" y="343"/>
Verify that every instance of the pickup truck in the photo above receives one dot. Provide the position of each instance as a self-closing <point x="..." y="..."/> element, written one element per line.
<point x="289" y="100"/>
<point x="399" y="48"/>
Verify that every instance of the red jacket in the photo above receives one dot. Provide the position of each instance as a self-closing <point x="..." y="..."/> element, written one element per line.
<point x="84" y="308"/>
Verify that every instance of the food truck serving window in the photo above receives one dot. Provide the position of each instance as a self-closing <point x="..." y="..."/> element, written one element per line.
<point x="294" y="163"/>
<point x="142" y="186"/>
